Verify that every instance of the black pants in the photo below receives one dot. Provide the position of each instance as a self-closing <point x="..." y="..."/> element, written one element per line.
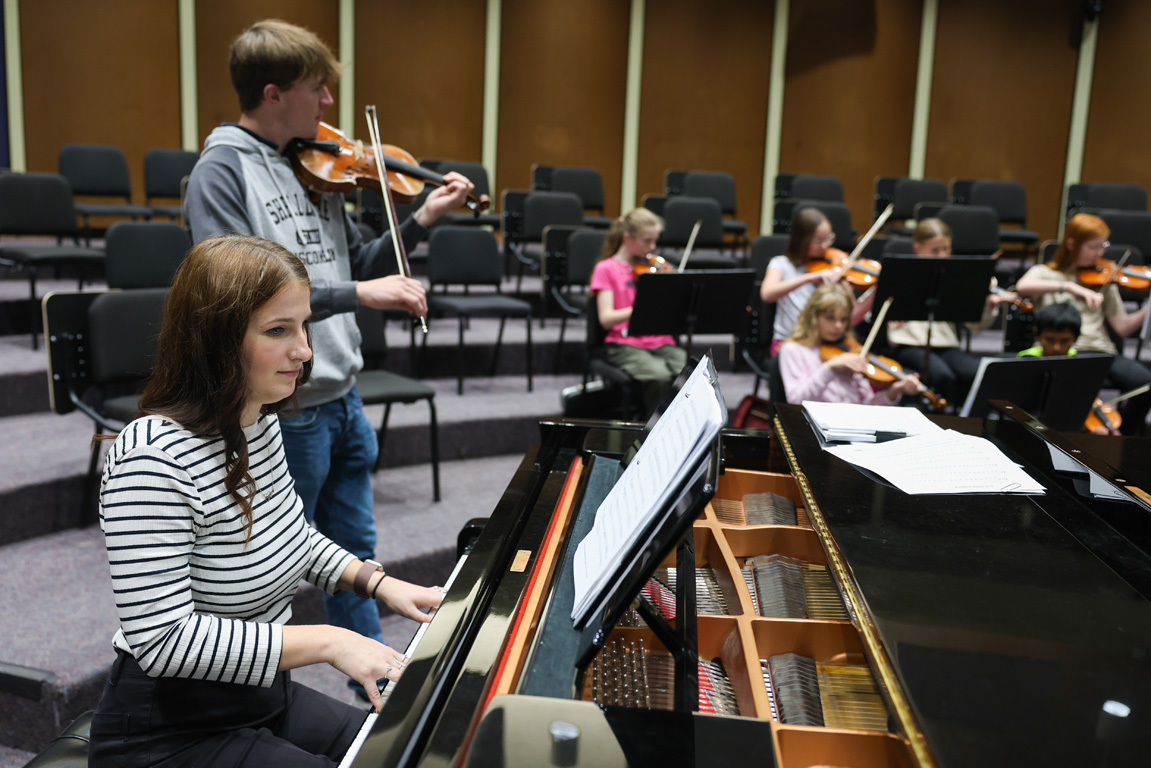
<point x="952" y="370"/>
<point x="143" y="721"/>
<point x="1127" y="374"/>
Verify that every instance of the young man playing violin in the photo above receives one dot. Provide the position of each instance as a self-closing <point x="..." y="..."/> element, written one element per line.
<point x="1057" y="281"/>
<point x="244" y="184"/>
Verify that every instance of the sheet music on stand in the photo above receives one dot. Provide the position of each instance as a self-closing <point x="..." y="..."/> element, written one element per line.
<point x="677" y="443"/>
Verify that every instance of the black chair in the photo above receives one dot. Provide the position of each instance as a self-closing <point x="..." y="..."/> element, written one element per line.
<point x="906" y="194"/>
<point x="584" y="181"/>
<point x="765" y="248"/>
<point x="379" y="387"/>
<point x="41" y="204"/>
<point x="960" y="191"/>
<point x="974" y="229"/>
<point x="478" y="175"/>
<point x="654" y="203"/>
<point x="806" y="186"/>
<point x="144" y="254"/>
<point x="1095" y="197"/>
<point x="898" y="246"/>
<point x="539" y="210"/>
<point x="164" y="172"/>
<point x="1129" y="228"/>
<point x="468" y="257"/>
<point x="570" y="256"/>
<point x="630" y="407"/>
<point x="720" y="187"/>
<point x="1009" y="199"/>
<point x="680" y="215"/>
<point x="673" y="182"/>
<point x="96" y="170"/>
<point x="69" y="749"/>
<point x="838" y="215"/>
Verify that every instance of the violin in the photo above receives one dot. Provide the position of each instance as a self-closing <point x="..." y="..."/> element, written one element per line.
<point x="1103" y="419"/>
<point x="651" y="263"/>
<point x="332" y="162"/>
<point x="1018" y="301"/>
<point x="861" y="273"/>
<point x="881" y="370"/>
<point x="1105" y="272"/>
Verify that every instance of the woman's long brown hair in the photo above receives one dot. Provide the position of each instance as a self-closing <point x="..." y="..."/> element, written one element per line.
<point x="200" y="377"/>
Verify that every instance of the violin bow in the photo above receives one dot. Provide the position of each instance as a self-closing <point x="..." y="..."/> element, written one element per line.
<point x="1133" y="393"/>
<point x="865" y="350"/>
<point x="863" y="241"/>
<point x="690" y="243"/>
<point x="389" y="205"/>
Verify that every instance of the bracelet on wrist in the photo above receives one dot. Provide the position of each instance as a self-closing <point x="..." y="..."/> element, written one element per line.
<point x="378" y="583"/>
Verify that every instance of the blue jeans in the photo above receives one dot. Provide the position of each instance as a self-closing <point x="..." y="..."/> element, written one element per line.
<point x="331" y="450"/>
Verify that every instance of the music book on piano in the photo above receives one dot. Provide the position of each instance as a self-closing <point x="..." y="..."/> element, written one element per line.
<point x="639" y="511"/>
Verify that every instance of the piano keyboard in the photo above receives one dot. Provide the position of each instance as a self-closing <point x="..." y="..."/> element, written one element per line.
<point x="807" y="692"/>
<point x="787" y="588"/>
<point x="627" y="674"/>
<point x="759" y="509"/>
<point x="386" y="694"/>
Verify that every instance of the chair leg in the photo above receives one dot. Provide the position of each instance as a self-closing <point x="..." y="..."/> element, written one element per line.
<point x="435" y="451"/>
<point x="499" y="341"/>
<point x="35" y="312"/>
<point x="529" y="353"/>
<point x="415" y="362"/>
<point x="380" y="435"/>
<point x="560" y="344"/>
<point x="460" y="360"/>
<point x="419" y="364"/>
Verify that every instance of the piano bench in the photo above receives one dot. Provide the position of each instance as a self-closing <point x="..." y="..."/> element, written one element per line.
<point x="69" y="749"/>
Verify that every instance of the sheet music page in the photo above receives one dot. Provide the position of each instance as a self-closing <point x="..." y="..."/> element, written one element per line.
<point x="675" y="445"/>
<point x="944" y="462"/>
<point x="861" y="423"/>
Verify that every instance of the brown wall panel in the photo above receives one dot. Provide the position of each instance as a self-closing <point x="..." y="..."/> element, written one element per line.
<point x="850" y="93"/>
<point x="703" y="103"/>
<point x="563" y="75"/>
<point x="1118" y="145"/>
<point x="219" y="22"/>
<point x="83" y="83"/>
<point x="1001" y="98"/>
<point x="430" y="97"/>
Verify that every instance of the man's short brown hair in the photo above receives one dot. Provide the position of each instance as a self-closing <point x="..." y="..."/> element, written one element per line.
<point x="278" y="53"/>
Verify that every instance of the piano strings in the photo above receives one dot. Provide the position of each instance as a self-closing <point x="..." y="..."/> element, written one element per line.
<point x="803" y="691"/>
<point x="628" y="674"/>
<point x="759" y="509"/>
<point x="788" y="588"/>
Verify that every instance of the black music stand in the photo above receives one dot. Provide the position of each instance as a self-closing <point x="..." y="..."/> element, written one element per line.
<point x="1058" y="391"/>
<point x="950" y="290"/>
<point x="690" y="302"/>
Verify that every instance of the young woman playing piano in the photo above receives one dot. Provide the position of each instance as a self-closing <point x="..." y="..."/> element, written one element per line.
<point x="207" y="540"/>
<point x="1084" y="242"/>
<point x="806" y="376"/>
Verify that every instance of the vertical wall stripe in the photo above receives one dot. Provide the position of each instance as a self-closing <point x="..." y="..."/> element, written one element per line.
<point x="773" y="134"/>
<point x="922" y="110"/>
<point x="490" y="138"/>
<point x="189" y="102"/>
<point x="630" y="169"/>
<point x="17" y="156"/>
<point x="1080" y="105"/>
<point x="348" y="121"/>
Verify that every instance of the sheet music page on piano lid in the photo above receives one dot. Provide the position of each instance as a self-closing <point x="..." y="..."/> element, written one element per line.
<point x="673" y="448"/>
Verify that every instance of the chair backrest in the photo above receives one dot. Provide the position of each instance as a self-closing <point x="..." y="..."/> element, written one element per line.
<point x="475" y="172"/>
<point x="654" y="203"/>
<point x="673" y="182"/>
<point x="717" y="185"/>
<point x="124" y="327"/>
<point x="765" y="248"/>
<point x="806" y="186"/>
<point x="96" y="169"/>
<point x="144" y="254"/>
<point x="1131" y="228"/>
<point x="838" y="215"/>
<point x="584" y="249"/>
<point x="580" y="180"/>
<point x="66" y="333"/>
<point x="36" y="204"/>
<point x="1008" y="198"/>
<point x="909" y="192"/>
<point x="898" y="245"/>
<point x="164" y="169"/>
<point x="544" y="208"/>
<point x="1120" y="197"/>
<point x="974" y="229"/>
<point x="680" y="215"/>
<point x="463" y="256"/>
<point x="961" y="191"/>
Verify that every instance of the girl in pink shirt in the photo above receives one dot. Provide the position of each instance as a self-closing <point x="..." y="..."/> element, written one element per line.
<point x="825" y="320"/>
<point x="654" y="361"/>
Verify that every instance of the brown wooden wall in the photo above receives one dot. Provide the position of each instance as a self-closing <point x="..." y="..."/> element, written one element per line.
<point x="563" y="75"/>
<point x="429" y="95"/>
<point x="1118" y="142"/>
<point x="703" y="98"/>
<point x="84" y="82"/>
<point x="849" y="94"/>
<point x="1001" y="98"/>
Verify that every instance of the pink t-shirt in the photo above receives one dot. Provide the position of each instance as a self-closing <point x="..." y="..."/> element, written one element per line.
<point x="611" y="275"/>
<point x="807" y="377"/>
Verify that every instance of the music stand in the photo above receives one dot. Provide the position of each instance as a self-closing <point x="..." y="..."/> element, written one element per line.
<point x="950" y="290"/>
<point x="690" y="302"/>
<point x="1058" y="391"/>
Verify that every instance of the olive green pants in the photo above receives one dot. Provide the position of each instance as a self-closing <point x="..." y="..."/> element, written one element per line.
<point x="655" y="369"/>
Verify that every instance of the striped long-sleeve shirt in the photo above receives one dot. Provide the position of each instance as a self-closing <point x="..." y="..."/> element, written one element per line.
<point x="195" y="598"/>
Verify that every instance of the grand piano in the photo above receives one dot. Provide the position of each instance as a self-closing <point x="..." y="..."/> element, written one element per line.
<point x="869" y="628"/>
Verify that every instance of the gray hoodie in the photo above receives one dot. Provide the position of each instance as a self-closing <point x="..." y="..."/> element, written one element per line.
<point x="241" y="184"/>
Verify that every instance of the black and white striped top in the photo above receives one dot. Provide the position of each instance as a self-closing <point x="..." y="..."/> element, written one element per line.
<point x="195" y="599"/>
